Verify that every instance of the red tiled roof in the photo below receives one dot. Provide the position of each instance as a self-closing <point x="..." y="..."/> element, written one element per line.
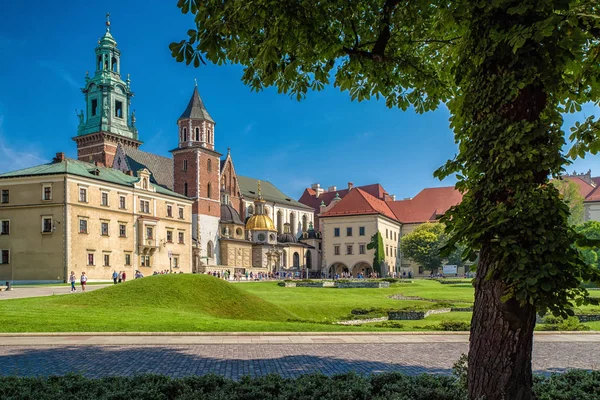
<point x="594" y="195"/>
<point x="426" y="205"/>
<point x="309" y="196"/>
<point x="584" y="187"/>
<point x="596" y="180"/>
<point x="359" y="202"/>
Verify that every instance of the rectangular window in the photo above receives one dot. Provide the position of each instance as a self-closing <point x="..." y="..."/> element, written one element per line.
<point x="90" y="259"/>
<point x="175" y="262"/>
<point x="118" y="109"/>
<point x="5" y="259"/>
<point x="180" y="212"/>
<point x="4" y="196"/>
<point x="169" y="211"/>
<point x="94" y="107"/>
<point x="348" y="231"/>
<point x="361" y="248"/>
<point x="185" y="165"/>
<point x="47" y="224"/>
<point x="104" y="198"/>
<point x="336" y="250"/>
<point x="127" y="259"/>
<point x="149" y="233"/>
<point x="145" y="206"/>
<point x="104" y="228"/>
<point x="5" y="227"/>
<point x="107" y="260"/>
<point x="387" y="251"/>
<point x="386" y="234"/>
<point x="83" y="195"/>
<point x="395" y="237"/>
<point x="361" y="231"/>
<point x="336" y="232"/>
<point x="122" y="202"/>
<point x="145" y="261"/>
<point x="395" y="252"/>
<point x="122" y="230"/>
<point x="349" y="249"/>
<point x="170" y="236"/>
<point x="47" y="194"/>
<point x="181" y="236"/>
<point x="83" y="226"/>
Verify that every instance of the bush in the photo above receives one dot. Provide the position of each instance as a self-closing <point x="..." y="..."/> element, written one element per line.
<point x="552" y="323"/>
<point x="570" y="385"/>
<point x="454" y="326"/>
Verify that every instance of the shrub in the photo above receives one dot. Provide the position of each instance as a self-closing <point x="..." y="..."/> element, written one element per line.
<point x="552" y="323"/>
<point x="454" y="326"/>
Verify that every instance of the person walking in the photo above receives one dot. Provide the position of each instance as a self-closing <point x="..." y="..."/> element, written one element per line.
<point x="83" y="281"/>
<point x="124" y="276"/>
<point x="73" y="280"/>
<point x="115" y="276"/>
<point x="120" y="276"/>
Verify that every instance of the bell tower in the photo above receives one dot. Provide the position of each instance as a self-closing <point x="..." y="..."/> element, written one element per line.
<point x="196" y="173"/>
<point x="107" y="119"/>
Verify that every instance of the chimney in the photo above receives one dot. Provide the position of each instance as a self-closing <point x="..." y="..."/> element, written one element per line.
<point x="393" y="197"/>
<point x="331" y="189"/>
<point x="60" y="157"/>
<point x="350" y="186"/>
<point x="317" y="188"/>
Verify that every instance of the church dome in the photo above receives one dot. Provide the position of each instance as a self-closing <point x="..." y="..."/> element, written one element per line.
<point x="260" y="222"/>
<point x="287" y="238"/>
<point x="230" y="216"/>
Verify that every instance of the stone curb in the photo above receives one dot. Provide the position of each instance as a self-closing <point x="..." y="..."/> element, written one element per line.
<point x="441" y="333"/>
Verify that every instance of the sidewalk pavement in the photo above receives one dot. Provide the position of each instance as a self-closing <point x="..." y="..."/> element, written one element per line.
<point x="25" y="292"/>
<point x="202" y="338"/>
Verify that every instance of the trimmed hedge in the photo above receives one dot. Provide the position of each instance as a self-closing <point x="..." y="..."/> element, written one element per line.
<point x="570" y="385"/>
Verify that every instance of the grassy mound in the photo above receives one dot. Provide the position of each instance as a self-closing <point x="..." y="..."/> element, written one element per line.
<point x="203" y="294"/>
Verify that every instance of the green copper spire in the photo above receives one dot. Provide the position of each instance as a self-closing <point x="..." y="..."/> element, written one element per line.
<point x="107" y="96"/>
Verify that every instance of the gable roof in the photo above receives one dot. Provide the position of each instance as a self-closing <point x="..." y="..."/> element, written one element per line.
<point x="359" y="202"/>
<point x="584" y="187"/>
<point x="249" y="186"/>
<point x="426" y="205"/>
<point x="84" y="169"/>
<point x="309" y="196"/>
<point x="196" y="109"/>
<point x="161" y="168"/>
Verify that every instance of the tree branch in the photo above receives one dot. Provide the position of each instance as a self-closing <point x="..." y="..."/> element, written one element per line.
<point x="384" y="35"/>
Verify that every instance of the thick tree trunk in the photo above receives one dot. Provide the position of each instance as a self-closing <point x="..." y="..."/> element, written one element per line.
<point x="501" y="341"/>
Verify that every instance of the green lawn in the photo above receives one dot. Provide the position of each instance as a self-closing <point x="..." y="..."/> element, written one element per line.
<point x="187" y="303"/>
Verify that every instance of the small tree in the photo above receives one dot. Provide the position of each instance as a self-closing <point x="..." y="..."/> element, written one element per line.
<point x="569" y="192"/>
<point x="591" y="230"/>
<point x="423" y="246"/>
<point x="376" y="243"/>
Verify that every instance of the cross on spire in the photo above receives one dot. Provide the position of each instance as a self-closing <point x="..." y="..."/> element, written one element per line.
<point x="195" y="82"/>
<point x="107" y="22"/>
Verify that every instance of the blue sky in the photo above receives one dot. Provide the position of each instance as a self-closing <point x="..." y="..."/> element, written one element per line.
<point x="47" y="48"/>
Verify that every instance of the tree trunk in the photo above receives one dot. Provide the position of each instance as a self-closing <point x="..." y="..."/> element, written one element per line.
<point x="501" y="341"/>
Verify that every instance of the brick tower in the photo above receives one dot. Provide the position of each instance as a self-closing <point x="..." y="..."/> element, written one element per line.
<point x="107" y="120"/>
<point x="196" y="170"/>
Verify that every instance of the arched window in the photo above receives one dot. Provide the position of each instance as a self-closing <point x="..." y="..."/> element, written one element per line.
<point x="100" y="63"/>
<point x="233" y="186"/>
<point x="185" y="134"/>
<point x="208" y="136"/>
<point x="209" y="249"/>
<point x="197" y="134"/>
<point x="296" y="260"/>
<point x="308" y="259"/>
<point x="209" y="165"/>
<point x="114" y="64"/>
<point x="293" y="223"/>
<point x="185" y="191"/>
<point x="208" y="190"/>
<point x="279" y="222"/>
<point x="304" y="223"/>
<point x="224" y="182"/>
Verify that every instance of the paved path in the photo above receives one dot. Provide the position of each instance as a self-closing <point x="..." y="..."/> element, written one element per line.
<point x="24" y="292"/>
<point x="234" y="356"/>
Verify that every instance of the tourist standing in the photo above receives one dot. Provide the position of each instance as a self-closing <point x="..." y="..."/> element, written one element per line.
<point x="115" y="276"/>
<point x="73" y="279"/>
<point x="124" y="276"/>
<point x="120" y="276"/>
<point x="83" y="281"/>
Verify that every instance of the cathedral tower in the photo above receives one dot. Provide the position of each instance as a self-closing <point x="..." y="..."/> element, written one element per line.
<point x="196" y="170"/>
<point x="107" y="120"/>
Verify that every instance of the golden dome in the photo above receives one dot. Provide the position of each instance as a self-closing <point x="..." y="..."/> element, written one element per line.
<point x="260" y="223"/>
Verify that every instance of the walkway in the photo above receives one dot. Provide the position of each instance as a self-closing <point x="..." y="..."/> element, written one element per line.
<point x="289" y="355"/>
<point x="39" y="291"/>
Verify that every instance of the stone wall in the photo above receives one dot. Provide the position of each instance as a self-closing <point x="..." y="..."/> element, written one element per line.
<point x="414" y="315"/>
<point x="353" y="285"/>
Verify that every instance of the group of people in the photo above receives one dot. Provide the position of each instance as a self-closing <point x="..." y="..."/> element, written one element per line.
<point x="166" y="271"/>
<point x="82" y="280"/>
<point x="119" y="277"/>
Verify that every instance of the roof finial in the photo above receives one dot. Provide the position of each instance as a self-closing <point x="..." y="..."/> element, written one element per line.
<point x="195" y="82"/>
<point x="259" y="196"/>
<point x="228" y="150"/>
<point x="108" y="22"/>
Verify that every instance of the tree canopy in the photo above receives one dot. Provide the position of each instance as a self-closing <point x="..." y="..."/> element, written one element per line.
<point x="569" y="191"/>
